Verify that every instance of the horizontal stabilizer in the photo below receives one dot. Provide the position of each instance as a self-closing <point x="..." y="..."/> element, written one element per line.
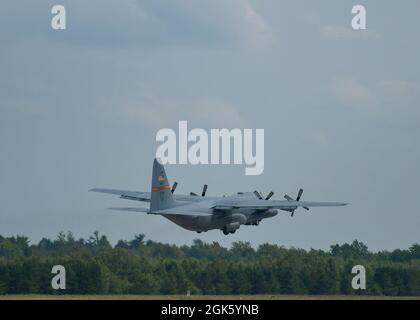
<point x="125" y="194"/>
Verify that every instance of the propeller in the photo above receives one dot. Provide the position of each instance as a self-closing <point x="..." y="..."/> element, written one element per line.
<point x="174" y="187"/>
<point x="203" y="193"/>
<point x="299" y="195"/>
<point x="259" y="195"/>
<point x="269" y="195"/>
<point x="300" y="192"/>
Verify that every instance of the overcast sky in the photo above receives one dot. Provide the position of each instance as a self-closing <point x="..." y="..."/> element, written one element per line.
<point x="80" y="108"/>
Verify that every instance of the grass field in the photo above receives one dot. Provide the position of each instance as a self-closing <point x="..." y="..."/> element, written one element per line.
<point x="200" y="297"/>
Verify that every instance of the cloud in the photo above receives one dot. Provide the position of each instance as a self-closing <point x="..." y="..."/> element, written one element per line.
<point x="215" y="22"/>
<point x="353" y="93"/>
<point x="400" y="87"/>
<point x="385" y="95"/>
<point x="157" y="23"/>
<point x="346" y="33"/>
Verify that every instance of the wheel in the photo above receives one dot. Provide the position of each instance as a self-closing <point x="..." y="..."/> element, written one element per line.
<point x="198" y="231"/>
<point x="233" y="231"/>
<point x="225" y="232"/>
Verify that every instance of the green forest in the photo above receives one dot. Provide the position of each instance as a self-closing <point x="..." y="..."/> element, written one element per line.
<point x="142" y="266"/>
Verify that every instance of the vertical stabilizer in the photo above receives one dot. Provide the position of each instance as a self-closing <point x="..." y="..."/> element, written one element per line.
<point x="161" y="195"/>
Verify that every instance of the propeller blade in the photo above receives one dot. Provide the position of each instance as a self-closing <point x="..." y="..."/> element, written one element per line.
<point x="269" y="195"/>
<point x="193" y="194"/>
<point x="257" y="194"/>
<point x="287" y="197"/>
<point x="174" y="187"/>
<point x="204" y="190"/>
<point x="299" y="194"/>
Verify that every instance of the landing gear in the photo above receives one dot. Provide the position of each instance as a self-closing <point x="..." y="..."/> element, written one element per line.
<point x="253" y="223"/>
<point x="226" y="232"/>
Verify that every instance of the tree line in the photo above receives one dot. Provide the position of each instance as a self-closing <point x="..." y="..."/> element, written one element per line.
<point x="140" y="266"/>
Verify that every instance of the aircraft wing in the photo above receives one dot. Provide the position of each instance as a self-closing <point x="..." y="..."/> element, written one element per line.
<point x="125" y="194"/>
<point x="257" y="204"/>
<point x="143" y="210"/>
<point x="198" y="205"/>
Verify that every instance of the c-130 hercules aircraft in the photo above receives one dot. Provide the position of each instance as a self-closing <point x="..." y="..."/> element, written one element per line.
<point x="201" y="213"/>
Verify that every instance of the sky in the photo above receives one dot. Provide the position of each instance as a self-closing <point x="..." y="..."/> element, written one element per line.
<point x="80" y="108"/>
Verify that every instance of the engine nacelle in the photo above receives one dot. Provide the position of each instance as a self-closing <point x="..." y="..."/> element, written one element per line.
<point x="234" y="222"/>
<point x="238" y="217"/>
<point x="271" y="213"/>
<point x="231" y="227"/>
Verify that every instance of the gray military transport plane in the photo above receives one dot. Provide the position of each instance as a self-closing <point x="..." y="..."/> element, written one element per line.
<point x="201" y="213"/>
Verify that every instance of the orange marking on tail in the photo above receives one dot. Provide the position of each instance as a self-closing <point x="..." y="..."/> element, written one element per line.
<point x="161" y="188"/>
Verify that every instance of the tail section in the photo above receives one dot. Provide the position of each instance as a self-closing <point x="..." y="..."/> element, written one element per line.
<point x="161" y="195"/>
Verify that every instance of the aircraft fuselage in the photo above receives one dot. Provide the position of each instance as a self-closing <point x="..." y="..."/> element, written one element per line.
<point x="229" y="223"/>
